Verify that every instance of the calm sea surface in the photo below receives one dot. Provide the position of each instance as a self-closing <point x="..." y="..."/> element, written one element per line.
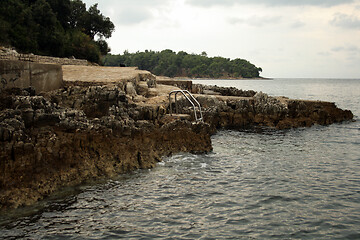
<point x="294" y="184"/>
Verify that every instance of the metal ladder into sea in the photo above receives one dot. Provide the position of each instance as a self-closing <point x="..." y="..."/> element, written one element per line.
<point x="191" y="99"/>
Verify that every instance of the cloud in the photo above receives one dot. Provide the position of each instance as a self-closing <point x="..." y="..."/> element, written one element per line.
<point x="324" y="3"/>
<point x="350" y="52"/>
<point x="297" y="24"/>
<point x="256" y="21"/>
<point x="125" y="3"/>
<point x="345" y="21"/>
<point x="132" y="15"/>
<point x="350" y="49"/>
<point x="324" y="54"/>
<point x="125" y="12"/>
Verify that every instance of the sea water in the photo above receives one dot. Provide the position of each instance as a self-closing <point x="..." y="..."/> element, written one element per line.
<point x="290" y="184"/>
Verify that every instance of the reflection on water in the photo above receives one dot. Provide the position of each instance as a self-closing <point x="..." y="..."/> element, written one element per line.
<point x="294" y="184"/>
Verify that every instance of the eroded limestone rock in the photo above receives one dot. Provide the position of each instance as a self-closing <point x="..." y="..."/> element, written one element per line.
<point x="76" y="133"/>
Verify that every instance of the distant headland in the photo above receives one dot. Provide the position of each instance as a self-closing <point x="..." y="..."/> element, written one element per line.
<point x="171" y="64"/>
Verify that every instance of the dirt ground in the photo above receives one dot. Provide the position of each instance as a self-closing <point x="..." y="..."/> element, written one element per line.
<point x="100" y="74"/>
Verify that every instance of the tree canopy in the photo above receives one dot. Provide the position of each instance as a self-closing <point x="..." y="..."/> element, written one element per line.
<point x="61" y="28"/>
<point x="182" y="64"/>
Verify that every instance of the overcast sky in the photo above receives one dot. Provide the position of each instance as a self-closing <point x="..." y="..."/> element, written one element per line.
<point x="286" y="38"/>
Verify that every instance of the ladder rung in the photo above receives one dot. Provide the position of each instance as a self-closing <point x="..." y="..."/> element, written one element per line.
<point x="190" y="99"/>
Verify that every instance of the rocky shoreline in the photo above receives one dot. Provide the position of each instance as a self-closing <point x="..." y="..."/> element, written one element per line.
<point x="98" y="129"/>
<point x="238" y="109"/>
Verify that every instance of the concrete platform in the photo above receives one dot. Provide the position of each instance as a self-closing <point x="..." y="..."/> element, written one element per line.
<point x="98" y="74"/>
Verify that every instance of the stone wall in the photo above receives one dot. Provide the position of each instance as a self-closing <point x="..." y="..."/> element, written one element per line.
<point x="22" y="74"/>
<point x="8" y="54"/>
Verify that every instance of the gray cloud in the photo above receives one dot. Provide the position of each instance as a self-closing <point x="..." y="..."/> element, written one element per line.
<point x="345" y="21"/>
<point x="350" y="48"/>
<point x="132" y="15"/>
<point x="125" y="12"/>
<point x="324" y="54"/>
<point x="256" y="21"/>
<point x="125" y="3"/>
<point x="351" y="52"/>
<point x="323" y="3"/>
<point x="297" y="24"/>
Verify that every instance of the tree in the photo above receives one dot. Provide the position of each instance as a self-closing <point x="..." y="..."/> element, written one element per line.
<point x="77" y="11"/>
<point x="94" y="23"/>
<point x="83" y="47"/>
<point x="49" y="30"/>
<point x="171" y="71"/>
<point x="103" y="46"/>
<point x="215" y="69"/>
<point x="55" y="27"/>
<point x="4" y="30"/>
<point x="62" y="10"/>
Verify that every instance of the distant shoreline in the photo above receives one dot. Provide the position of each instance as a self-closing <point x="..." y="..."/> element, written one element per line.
<point x="188" y="78"/>
<point x="255" y="79"/>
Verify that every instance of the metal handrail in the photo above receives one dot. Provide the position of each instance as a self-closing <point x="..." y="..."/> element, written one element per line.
<point x="184" y="92"/>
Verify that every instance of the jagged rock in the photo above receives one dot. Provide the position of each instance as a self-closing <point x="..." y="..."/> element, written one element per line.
<point x="263" y="110"/>
<point x="142" y="88"/>
<point x="224" y="91"/>
<point x="145" y="76"/>
<point x="208" y="101"/>
<point x="268" y="105"/>
<point x="151" y="83"/>
<point x="28" y="116"/>
<point x="210" y="92"/>
<point x="130" y="89"/>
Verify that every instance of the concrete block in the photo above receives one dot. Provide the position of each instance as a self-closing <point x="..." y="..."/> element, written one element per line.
<point x="14" y="74"/>
<point x="22" y="74"/>
<point x="46" y="77"/>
